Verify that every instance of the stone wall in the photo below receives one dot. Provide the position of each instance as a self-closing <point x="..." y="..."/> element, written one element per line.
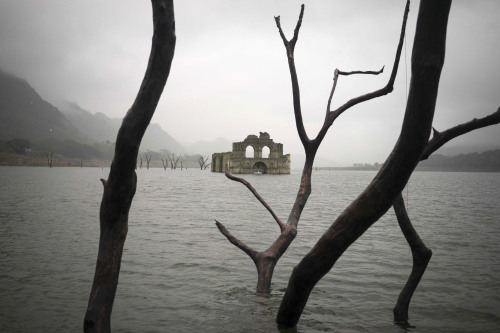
<point x="239" y="163"/>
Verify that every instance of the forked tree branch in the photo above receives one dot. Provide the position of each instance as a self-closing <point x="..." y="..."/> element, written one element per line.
<point x="256" y="194"/>
<point x="376" y="199"/>
<point x="335" y="80"/>
<point x="290" y="44"/>
<point x="420" y="253"/>
<point x="440" y="138"/>
<point x="290" y="47"/>
<point x="380" y="92"/>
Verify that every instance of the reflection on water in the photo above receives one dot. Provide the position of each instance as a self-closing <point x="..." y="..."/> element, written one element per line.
<point x="179" y="274"/>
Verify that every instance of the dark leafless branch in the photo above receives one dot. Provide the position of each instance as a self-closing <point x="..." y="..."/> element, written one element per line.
<point x="377" y="198"/>
<point x="380" y="92"/>
<point x="420" y="253"/>
<point x="290" y="47"/>
<point x="254" y="192"/>
<point x="440" y="138"/>
<point x="235" y="241"/>
<point x="362" y="72"/>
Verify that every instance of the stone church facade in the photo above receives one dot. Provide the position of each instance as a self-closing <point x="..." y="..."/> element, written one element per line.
<point x="275" y="163"/>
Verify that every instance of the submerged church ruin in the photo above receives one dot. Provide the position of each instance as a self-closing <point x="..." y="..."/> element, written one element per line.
<point x="267" y="157"/>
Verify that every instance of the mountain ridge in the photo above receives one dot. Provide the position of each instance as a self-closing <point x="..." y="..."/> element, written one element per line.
<point x="24" y="114"/>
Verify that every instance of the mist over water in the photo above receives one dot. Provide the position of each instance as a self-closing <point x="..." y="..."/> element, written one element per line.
<point x="179" y="274"/>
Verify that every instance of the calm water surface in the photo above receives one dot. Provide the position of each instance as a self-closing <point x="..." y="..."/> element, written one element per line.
<point x="179" y="274"/>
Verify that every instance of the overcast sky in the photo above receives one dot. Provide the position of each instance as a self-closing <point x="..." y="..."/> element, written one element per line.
<point x="230" y="76"/>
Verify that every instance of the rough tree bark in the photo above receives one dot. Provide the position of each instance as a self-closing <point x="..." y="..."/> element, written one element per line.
<point x="120" y="187"/>
<point x="420" y="253"/>
<point x="265" y="261"/>
<point x="377" y="198"/>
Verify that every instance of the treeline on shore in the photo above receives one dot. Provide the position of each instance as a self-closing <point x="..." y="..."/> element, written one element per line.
<point x="69" y="153"/>
<point x="488" y="161"/>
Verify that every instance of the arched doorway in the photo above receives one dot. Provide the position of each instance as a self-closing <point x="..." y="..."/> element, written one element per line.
<point x="260" y="167"/>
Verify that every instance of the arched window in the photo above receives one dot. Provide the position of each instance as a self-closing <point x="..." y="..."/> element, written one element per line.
<point x="249" y="153"/>
<point x="265" y="152"/>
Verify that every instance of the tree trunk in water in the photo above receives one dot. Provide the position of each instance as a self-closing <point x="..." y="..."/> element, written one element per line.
<point x="420" y="253"/>
<point x="377" y="198"/>
<point x="266" y="261"/>
<point x="120" y="187"/>
<point x="421" y="257"/>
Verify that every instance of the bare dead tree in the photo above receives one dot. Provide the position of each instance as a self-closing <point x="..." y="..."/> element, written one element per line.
<point x="421" y="254"/>
<point x="177" y="161"/>
<point x="181" y="165"/>
<point x="202" y="161"/>
<point x="140" y="166"/>
<point x="265" y="261"/>
<point x="120" y="187"/>
<point x="377" y="198"/>
<point x="49" y="158"/>
<point x="173" y="161"/>
<point x="148" y="159"/>
<point x="164" y="162"/>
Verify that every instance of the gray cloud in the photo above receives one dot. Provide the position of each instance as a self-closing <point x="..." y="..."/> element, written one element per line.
<point x="230" y="75"/>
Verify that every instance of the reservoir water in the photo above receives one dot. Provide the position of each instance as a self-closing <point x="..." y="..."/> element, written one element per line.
<point x="179" y="274"/>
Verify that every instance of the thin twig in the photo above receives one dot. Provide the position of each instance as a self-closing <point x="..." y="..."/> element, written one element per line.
<point x="335" y="80"/>
<point x="362" y="72"/>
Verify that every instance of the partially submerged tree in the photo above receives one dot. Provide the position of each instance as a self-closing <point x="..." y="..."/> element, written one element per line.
<point x="173" y="161"/>
<point x="164" y="162"/>
<point x="377" y="198"/>
<point x="120" y="187"/>
<point x="420" y="253"/>
<point x="148" y="160"/>
<point x="203" y="162"/>
<point x="265" y="261"/>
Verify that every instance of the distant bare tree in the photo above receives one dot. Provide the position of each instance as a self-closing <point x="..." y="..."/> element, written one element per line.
<point x="202" y="161"/>
<point x="173" y="161"/>
<point x="119" y="189"/>
<point x="49" y="158"/>
<point x="140" y="166"/>
<point x="148" y="159"/>
<point x="164" y="162"/>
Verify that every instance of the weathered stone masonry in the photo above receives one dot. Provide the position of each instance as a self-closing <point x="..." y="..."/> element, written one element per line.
<point x="239" y="163"/>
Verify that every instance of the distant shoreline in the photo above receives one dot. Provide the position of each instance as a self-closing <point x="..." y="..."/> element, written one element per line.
<point x="418" y="168"/>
